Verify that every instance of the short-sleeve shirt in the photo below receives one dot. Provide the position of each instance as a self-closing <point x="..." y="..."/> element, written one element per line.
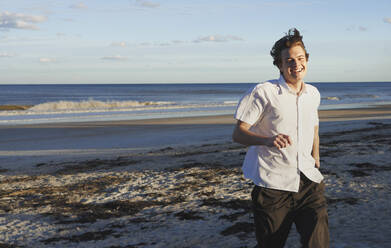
<point x="272" y="108"/>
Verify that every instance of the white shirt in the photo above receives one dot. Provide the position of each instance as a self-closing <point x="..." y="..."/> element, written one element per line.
<point x="272" y="108"/>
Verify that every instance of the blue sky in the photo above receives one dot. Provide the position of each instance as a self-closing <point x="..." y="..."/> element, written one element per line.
<point x="214" y="41"/>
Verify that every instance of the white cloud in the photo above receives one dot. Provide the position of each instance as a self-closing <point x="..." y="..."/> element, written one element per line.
<point x="218" y="38"/>
<point x="78" y="6"/>
<point x="147" y="4"/>
<point x="19" y="21"/>
<point x="164" y="44"/>
<point x="210" y="38"/>
<point x="361" y="28"/>
<point x="145" y="44"/>
<point x="350" y="28"/>
<point x="161" y="44"/>
<point x="120" y="44"/>
<point x="47" y="60"/>
<point x="115" y="57"/>
<point x="178" y="41"/>
<point x="6" y="55"/>
<point x="387" y="20"/>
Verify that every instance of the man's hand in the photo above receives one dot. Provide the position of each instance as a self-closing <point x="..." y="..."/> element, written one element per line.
<point x="280" y="141"/>
<point x="243" y="135"/>
<point x="317" y="163"/>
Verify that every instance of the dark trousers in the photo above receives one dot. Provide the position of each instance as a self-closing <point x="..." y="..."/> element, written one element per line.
<point x="275" y="211"/>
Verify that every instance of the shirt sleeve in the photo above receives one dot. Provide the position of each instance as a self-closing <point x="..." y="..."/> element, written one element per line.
<point x="251" y="106"/>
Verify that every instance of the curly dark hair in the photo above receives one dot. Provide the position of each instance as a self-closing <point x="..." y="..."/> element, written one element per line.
<point x="291" y="39"/>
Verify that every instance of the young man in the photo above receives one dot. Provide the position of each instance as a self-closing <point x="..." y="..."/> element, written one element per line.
<point x="278" y="119"/>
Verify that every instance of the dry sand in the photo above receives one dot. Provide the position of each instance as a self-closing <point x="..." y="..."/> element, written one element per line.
<point x="178" y="193"/>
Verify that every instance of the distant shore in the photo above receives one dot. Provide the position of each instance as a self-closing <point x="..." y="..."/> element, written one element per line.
<point x="14" y="107"/>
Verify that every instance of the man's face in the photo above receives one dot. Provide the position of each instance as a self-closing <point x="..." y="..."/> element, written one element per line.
<point x="293" y="64"/>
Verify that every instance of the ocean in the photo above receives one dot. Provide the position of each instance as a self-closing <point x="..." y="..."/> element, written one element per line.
<point x="31" y="104"/>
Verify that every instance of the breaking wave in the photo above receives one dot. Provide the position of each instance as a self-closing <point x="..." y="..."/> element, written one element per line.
<point x="91" y="105"/>
<point x="349" y="96"/>
<point x="355" y="96"/>
<point x="332" y="98"/>
<point x="115" y="108"/>
<point x="231" y="102"/>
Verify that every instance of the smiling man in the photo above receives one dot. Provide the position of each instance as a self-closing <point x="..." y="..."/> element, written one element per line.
<point x="278" y="119"/>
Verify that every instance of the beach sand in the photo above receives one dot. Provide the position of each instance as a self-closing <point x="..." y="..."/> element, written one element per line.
<point x="178" y="183"/>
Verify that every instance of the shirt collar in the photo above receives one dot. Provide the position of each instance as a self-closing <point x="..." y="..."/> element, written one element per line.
<point x="283" y="84"/>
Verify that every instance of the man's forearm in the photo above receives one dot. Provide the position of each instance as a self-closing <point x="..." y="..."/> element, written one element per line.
<point x="243" y="135"/>
<point x="246" y="137"/>
<point x="315" y="147"/>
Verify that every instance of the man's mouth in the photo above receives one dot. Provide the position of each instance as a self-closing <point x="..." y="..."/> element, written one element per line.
<point x="299" y="69"/>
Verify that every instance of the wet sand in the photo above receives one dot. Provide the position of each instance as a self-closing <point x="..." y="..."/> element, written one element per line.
<point x="177" y="183"/>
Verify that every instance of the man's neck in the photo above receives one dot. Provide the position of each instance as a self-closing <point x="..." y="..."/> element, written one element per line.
<point x="296" y="86"/>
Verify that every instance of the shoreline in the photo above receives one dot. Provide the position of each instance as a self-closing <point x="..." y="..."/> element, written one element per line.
<point x="28" y="144"/>
<point x="349" y="114"/>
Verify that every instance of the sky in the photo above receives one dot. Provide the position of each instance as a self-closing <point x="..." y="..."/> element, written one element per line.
<point x="182" y="41"/>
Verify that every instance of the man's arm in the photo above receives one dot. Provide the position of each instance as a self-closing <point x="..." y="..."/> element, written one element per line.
<point x="244" y="136"/>
<point x="315" y="147"/>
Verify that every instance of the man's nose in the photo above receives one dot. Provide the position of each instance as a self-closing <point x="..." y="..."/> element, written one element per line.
<point x="294" y="63"/>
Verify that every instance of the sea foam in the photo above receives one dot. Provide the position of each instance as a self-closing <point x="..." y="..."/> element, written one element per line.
<point x="92" y="110"/>
<point x="333" y="98"/>
<point x="91" y="104"/>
